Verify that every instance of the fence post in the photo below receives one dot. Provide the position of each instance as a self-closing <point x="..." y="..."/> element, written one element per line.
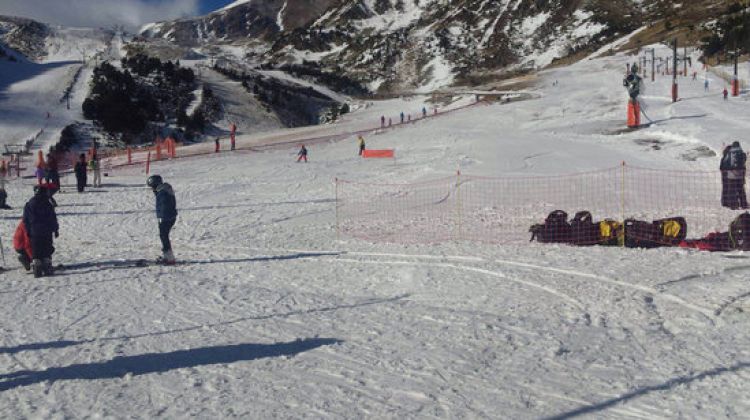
<point x="336" y="202"/>
<point x="148" y="162"/>
<point x="622" y="204"/>
<point x="458" y="203"/>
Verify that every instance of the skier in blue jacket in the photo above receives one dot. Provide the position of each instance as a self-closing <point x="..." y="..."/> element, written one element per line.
<point x="166" y="214"/>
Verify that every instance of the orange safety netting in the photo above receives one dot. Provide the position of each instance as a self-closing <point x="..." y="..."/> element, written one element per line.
<point x="503" y="209"/>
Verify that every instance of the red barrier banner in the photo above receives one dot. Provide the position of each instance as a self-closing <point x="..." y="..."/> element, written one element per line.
<point x="373" y="153"/>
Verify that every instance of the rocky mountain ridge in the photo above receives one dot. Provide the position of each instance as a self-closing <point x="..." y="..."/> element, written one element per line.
<point x="421" y="45"/>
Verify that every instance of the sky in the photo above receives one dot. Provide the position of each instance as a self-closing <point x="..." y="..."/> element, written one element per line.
<point x="95" y="13"/>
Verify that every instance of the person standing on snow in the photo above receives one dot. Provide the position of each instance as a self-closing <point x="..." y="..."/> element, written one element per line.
<point x="361" y="145"/>
<point x="725" y="93"/>
<point x="95" y="166"/>
<point x="22" y="245"/>
<point x="733" y="164"/>
<point x="3" y="195"/>
<point x="232" y="133"/>
<point x="53" y="175"/>
<point x="80" y="171"/>
<point x="302" y="153"/>
<point x="40" y="221"/>
<point x="166" y="214"/>
<point x="402" y="117"/>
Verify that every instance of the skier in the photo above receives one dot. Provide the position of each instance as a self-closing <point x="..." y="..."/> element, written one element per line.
<point x="390" y="122"/>
<point x="216" y="145"/>
<point x="95" y="166"/>
<point x="233" y="131"/>
<point x="39" y="173"/>
<point x="3" y="195"/>
<point x="382" y="121"/>
<point x="734" y="160"/>
<point x="361" y="145"/>
<point x="166" y="214"/>
<point x="725" y="93"/>
<point x="53" y="176"/>
<point x="705" y="85"/>
<point x="40" y="221"/>
<point x="402" y="117"/>
<point x="80" y="171"/>
<point x="22" y="245"/>
<point x="424" y="112"/>
<point x="302" y="153"/>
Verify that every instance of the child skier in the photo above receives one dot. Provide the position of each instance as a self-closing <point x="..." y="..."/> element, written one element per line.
<point x="302" y="153"/>
<point x="53" y="175"/>
<point x="80" y="171"/>
<point x="22" y="245"/>
<point x="40" y="221"/>
<point x="166" y="214"/>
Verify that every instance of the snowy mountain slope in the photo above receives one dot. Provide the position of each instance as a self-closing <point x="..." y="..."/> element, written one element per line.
<point x="401" y="46"/>
<point x="270" y="316"/>
<point x="32" y="91"/>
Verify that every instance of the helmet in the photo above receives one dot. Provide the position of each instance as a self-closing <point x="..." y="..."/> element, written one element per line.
<point x="154" y="181"/>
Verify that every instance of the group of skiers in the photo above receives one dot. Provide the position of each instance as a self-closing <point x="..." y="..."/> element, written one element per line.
<point x="33" y="238"/>
<point x="302" y="153"/>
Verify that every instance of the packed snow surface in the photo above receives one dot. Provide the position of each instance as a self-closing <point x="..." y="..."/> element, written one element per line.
<point x="268" y="314"/>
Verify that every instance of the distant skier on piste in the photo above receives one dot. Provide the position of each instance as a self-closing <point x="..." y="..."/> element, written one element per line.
<point x="166" y="214"/>
<point x="80" y="171"/>
<point x="53" y="175"/>
<point x="40" y="220"/>
<point x="361" y="145"/>
<point x="302" y="153"/>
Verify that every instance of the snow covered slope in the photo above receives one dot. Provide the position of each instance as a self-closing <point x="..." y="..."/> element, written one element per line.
<point x="269" y="315"/>
<point x="33" y="104"/>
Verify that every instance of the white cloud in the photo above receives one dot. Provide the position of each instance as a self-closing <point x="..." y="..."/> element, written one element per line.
<point x="130" y="13"/>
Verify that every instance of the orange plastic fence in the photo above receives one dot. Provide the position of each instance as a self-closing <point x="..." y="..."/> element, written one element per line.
<point x="375" y="153"/>
<point x="503" y="209"/>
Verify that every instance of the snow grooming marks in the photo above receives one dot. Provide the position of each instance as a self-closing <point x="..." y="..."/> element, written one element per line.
<point x="546" y="289"/>
<point x="645" y="289"/>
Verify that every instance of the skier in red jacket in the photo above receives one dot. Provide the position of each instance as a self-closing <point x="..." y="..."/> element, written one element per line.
<point x="22" y="245"/>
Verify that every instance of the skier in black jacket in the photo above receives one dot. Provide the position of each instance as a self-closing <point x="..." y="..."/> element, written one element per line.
<point x="80" y="170"/>
<point x="733" y="173"/>
<point x="41" y="223"/>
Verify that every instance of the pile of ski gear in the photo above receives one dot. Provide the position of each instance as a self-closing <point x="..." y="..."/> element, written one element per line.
<point x="736" y="238"/>
<point x="582" y="230"/>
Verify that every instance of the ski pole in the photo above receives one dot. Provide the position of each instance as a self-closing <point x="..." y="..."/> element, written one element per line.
<point x="644" y="114"/>
<point x="2" y="251"/>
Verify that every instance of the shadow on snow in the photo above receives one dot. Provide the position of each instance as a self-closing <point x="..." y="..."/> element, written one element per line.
<point x="144" y="364"/>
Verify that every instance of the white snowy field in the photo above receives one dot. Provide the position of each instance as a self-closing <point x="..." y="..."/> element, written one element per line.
<point x="270" y="315"/>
